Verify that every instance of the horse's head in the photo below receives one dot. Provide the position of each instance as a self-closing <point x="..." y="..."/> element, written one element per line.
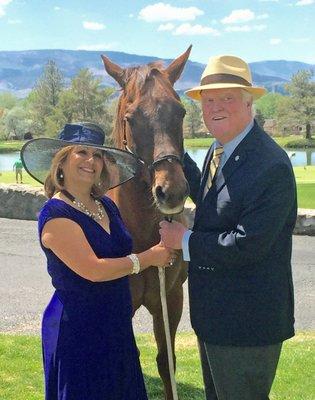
<point x="150" y="124"/>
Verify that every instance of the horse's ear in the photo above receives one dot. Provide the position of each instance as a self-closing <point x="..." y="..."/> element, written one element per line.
<point x="114" y="70"/>
<point x="176" y="67"/>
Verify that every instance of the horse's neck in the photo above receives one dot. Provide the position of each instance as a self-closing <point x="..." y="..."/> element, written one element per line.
<point x="138" y="212"/>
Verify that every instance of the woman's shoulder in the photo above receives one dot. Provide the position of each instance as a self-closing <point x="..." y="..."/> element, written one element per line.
<point x="54" y="208"/>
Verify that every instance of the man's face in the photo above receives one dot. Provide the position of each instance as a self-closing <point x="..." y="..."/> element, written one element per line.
<point x="225" y="112"/>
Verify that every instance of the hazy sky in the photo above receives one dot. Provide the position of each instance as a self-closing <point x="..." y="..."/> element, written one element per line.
<point x="254" y="30"/>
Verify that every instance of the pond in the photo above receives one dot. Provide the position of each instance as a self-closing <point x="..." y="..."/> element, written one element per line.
<point x="7" y="160"/>
<point x="298" y="157"/>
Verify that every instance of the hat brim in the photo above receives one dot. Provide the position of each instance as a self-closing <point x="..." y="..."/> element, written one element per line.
<point x="195" y="93"/>
<point x="37" y="155"/>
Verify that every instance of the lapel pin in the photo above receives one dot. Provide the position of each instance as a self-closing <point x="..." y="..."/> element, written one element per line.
<point x="237" y="158"/>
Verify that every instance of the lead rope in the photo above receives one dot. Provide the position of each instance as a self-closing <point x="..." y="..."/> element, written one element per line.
<point x="167" y="327"/>
<point x="171" y="368"/>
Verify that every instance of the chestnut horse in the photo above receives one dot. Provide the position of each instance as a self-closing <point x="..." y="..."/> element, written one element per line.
<point x="149" y="123"/>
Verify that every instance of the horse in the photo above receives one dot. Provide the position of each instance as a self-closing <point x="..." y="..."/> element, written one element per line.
<point x="149" y="123"/>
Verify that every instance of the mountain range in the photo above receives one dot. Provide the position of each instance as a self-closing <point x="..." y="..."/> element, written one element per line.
<point x="19" y="70"/>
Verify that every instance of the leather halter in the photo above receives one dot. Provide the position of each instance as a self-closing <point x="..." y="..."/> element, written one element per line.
<point x="168" y="157"/>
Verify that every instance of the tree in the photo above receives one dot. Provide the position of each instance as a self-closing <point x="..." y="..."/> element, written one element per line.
<point x="193" y="119"/>
<point x="85" y="100"/>
<point x="7" y="100"/>
<point x="45" y="96"/>
<point x="267" y="105"/>
<point x="89" y="98"/>
<point x="16" y="122"/>
<point x="259" y="117"/>
<point x="301" y="107"/>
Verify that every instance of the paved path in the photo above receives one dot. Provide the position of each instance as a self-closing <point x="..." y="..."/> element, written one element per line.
<point x="25" y="286"/>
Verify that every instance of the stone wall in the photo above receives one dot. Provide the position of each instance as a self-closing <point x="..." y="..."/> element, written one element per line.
<point x="20" y="201"/>
<point x="24" y="202"/>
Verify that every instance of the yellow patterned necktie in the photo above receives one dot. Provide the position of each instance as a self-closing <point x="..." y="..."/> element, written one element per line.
<point x="214" y="164"/>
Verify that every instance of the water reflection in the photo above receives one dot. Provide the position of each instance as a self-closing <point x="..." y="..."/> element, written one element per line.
<point x="298" y="157"/>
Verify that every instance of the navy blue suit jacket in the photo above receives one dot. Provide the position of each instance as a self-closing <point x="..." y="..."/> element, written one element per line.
<point x="240" y="278"/>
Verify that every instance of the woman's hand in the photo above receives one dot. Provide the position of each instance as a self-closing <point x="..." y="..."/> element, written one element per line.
<point x="158" y="256"/>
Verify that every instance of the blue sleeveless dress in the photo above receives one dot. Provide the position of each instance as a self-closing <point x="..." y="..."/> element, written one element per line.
<point x="89" y="350"/>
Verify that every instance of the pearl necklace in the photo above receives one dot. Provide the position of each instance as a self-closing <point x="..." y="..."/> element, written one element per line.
<point x="97" y="216"/>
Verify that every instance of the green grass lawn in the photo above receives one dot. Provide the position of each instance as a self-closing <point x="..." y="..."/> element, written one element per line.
<point x="21" y="368"/>
<point x="9" y="177"/>
<point x="11" y="145"/>
<point x="287" y="141"/>
<point x="293" y="141"/>
<point x="305" y="178"/>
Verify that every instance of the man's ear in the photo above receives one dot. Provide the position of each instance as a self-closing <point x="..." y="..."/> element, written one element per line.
<point x="249" y="103"/>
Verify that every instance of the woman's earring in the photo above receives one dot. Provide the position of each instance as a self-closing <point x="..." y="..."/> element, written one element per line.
<point x="99" y="184"/>
<point x="60" y="174"/>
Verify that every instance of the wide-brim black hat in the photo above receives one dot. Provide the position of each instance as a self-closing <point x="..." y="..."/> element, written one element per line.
<point x="37" y="154"/>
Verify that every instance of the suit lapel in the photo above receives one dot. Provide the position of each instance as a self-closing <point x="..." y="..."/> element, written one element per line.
<point x="235" y="161"/>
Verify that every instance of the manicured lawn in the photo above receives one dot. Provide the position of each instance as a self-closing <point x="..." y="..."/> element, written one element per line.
<point x="287" y="141"/>
<point x="9" y="177"/>
<point x="305" y="174"/>
<point x="21" y="368"/>
<point x="294" y="141"/>
<point x="305" y="178"/>
<point x="198" y="142"/>
<point x="306" y="195"/>
<point x="305" y="184"/>
<point x="13" y="145"/>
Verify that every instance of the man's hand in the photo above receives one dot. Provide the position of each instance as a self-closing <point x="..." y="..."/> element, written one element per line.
<point x="172" y="234"/>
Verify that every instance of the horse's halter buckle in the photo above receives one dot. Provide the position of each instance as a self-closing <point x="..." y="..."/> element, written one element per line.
<point x="168" y="157"/>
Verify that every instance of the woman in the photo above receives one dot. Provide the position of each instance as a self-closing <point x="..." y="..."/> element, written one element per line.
<point x="88" y="344"/>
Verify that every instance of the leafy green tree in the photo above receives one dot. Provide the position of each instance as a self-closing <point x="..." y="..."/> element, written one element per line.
<point x="193" y="119"/>
<point x="84" y="100"/>
<point x="16" y="122"/>
<point x="301" y="107"/>
<point x="45" y="96"/>
<point x="8" y="101"/>
<point x="267" y="105"/>
<point x="259" y="117"/>
<point x="89" y="98"/>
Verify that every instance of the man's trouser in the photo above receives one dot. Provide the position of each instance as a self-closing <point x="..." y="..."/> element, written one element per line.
<point x="238" y="373"/>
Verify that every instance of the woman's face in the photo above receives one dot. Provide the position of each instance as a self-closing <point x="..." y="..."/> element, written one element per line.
<point x="83" y="164"/>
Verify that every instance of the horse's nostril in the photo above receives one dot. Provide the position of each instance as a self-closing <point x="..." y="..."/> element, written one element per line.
<point x="159" y="193"/>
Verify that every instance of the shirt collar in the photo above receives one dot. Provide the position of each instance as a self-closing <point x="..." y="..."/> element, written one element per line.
<point x="231" y="146"/>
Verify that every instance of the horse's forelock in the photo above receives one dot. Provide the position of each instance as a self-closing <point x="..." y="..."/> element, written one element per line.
<point x="137" y="76"/>
<point x="136" y="79"/>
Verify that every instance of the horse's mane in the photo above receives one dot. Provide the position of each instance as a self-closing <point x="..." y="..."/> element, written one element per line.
<point x="135" y="78"/>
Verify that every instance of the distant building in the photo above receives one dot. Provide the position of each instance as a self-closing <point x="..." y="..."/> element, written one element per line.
<point x="271" y="127"/>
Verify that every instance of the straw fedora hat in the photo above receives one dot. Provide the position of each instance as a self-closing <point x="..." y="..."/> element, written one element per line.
<point x="223" y="72"/>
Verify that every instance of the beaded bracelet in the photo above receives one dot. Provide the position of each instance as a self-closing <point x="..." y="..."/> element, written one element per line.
<point x="135" y="263"/>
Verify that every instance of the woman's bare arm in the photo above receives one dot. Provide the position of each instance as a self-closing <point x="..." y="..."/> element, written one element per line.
<point x="66" y="239"/>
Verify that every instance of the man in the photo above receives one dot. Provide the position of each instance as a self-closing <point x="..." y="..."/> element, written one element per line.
<point x="239" y="249"/>
<point x="18" y="167"/>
